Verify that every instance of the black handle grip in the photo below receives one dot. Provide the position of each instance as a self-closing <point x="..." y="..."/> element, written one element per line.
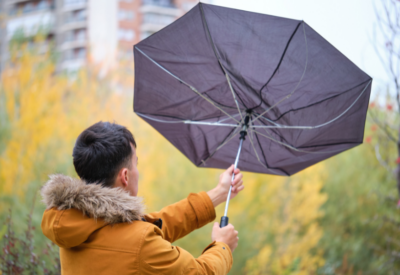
<point x="224" y="221"/>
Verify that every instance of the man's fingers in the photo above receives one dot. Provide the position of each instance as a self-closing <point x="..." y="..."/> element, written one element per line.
<point x="216" y="225"/>
<point x="229" y="171"/>
<point x="238" y="188"/>
<point x="237" y="179"/>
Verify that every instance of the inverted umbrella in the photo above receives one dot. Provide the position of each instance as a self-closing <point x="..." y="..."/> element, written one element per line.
<point x="217" y="77"/>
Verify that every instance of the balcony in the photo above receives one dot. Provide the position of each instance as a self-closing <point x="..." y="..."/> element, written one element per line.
<point x="74" y="22"/>
<point x="70" y="5"/>
<point x="153" y="22"/>
<point x="73" y="25"/>
<point x="30" y="24"/>
<point x="72" y="41"/>
<point x="160" y="3"/>
<point x="73" y="59"/>
<point x="13" y="2"/>
<point x="23" y="8"/>
<point x="160" y="7"/>
<point x="72" y="44"/>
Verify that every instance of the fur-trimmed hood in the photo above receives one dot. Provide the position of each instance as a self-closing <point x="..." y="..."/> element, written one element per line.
<point x="113" y="205"/>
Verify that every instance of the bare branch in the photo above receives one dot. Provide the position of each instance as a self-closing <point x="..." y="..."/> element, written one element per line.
<point x="381" y="59"/>
<point x="390" y="31"/>
<point x="381" y="161"/>
<point x="382" y="125"/>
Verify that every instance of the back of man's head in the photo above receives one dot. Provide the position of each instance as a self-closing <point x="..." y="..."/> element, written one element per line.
<point x="101" y="151"/>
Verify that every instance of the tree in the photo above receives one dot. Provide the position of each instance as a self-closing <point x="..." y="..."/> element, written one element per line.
<point x="290" y="230"/>
<point x="386" y="128"/>
<point x="41" y="114"/>
<point x="387" y="119"/>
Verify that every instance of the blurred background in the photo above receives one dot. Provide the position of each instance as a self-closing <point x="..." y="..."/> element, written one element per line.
<point x="67" y="64"/>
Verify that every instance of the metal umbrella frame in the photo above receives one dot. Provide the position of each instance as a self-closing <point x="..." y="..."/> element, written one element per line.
<point x="254" y="122"/>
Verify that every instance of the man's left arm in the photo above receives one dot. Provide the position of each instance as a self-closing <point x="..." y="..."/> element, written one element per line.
<point x="181" y="218"/>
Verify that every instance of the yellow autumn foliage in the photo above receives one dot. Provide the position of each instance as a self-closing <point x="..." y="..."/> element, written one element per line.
<point x="33" y="107"/>
<point x="293" y="226"/>
<point x="45" y="112"/>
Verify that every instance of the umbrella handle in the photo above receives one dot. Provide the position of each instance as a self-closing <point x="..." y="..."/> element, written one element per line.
<point x="224" y="221"/>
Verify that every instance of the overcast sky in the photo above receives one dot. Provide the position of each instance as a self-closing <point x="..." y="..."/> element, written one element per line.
<point x="347" y="24"/>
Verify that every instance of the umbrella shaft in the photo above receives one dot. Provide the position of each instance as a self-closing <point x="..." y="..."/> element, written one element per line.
<point x="233" y="177"/>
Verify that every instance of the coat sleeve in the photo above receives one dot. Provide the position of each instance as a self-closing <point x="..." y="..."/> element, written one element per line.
<point x="181" y="218"/>
<point x="158" y="256"/>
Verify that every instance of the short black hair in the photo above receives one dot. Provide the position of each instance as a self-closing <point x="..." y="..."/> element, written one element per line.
<point x="101" y="151"/>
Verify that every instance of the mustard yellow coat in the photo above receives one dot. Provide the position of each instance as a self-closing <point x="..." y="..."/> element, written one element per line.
<point x="103" y="231"/>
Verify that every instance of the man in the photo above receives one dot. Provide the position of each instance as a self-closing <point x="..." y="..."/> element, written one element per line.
<point x="98" y="221"/>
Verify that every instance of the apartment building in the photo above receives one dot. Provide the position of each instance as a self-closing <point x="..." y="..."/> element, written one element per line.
<point x="3" y="33"/>
<point x="107" y="29"/>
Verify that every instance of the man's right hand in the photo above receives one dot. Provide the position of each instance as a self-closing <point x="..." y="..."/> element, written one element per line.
<point x="226" y="234"/>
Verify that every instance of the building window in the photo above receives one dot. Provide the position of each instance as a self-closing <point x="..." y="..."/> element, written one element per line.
<point x="161" y="3"/>
<point x="79" y="53"/>
<point x="75" y="16"/>
<point x="125" y="15"/>
<point x="76" y="35"/>
<point x="159" y="19"/>
<point x="43" y="5"/>
<point x="126" y="34"/>
<point x="28" y="7"/>
<point x="80" y="35"/>
<point x="74" y="2"/>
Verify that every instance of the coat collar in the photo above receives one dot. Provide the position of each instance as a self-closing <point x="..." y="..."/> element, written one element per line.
<point x="114" y="205"/>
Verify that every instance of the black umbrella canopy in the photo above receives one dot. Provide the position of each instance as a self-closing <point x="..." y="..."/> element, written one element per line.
<point x="197" y="79"/>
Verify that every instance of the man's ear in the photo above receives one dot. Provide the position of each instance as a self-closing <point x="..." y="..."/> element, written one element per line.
<point x="123" y="177"/>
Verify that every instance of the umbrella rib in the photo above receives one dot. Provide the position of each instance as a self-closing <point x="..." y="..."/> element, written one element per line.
<point x="229" y="118"/>
<point x="255" y="151"/>
<point x="280" y="62"/>
<point x="210" y="123"/>
<point x="219" y="60"/>
<point x="292" y="147"/>
<point x="316" y="126"/>
<point x="301" y="79"/>
<point x="254" y="148"/>
<point x="233" y="133"/>
<point x="181" y="81"/>
<point x="160" y="120"/>
<point x="312" y="104"/>
<point x="233" y="94"/>
<point x="269" y="120"/>
<point x="217" y="123"/>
